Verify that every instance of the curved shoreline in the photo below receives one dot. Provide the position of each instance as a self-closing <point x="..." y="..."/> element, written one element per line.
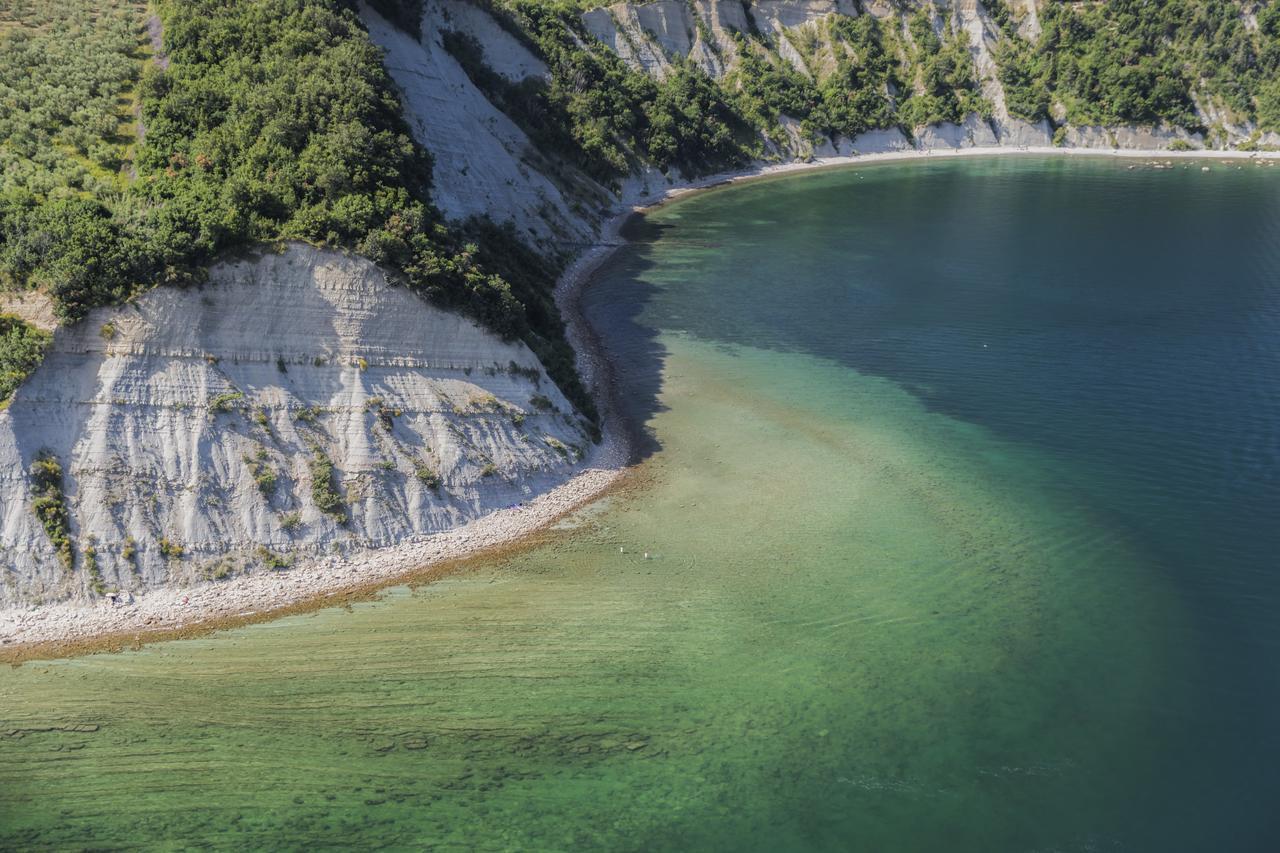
<point x="64" y="629"/>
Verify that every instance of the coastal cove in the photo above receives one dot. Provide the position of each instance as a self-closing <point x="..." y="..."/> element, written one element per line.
<point x="953" y="528"/>
<point x="76" y="628"/>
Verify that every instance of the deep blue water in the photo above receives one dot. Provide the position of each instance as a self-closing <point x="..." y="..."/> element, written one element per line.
<point x="1123" y="323"/>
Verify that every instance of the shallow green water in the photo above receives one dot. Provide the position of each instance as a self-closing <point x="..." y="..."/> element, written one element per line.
<point x="900" y="595"/>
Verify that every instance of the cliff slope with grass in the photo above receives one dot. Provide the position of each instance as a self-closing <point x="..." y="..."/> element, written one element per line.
<point x="546" y="114"/>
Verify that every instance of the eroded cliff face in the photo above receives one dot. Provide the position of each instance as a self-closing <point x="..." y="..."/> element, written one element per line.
<point x="486" y="165"/>
<point x="651" y="36"/>
<point x="170" y="417"/>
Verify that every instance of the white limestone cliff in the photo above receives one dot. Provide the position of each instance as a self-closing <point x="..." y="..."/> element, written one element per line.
<point x="162" y="413"/>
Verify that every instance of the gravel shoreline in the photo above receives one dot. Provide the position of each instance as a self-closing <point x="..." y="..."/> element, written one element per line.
<point x="31" y="630"/>
<point x="73" y="626"/>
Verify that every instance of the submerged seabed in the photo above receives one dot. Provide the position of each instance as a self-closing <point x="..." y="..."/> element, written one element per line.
<point x="954" y="499"/>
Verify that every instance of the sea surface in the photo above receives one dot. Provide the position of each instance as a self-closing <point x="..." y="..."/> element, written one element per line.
<point x="957" y="528"/>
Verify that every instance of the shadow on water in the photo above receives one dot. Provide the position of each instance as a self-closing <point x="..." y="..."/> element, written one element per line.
<point x="614" y="304"/>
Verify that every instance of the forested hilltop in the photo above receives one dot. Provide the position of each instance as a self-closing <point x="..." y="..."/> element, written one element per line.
<point x="139" y="142"/>
<point x="133" y="159"/>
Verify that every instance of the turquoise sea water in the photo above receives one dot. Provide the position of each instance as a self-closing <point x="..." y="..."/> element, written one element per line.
<point x="960" y="492"/>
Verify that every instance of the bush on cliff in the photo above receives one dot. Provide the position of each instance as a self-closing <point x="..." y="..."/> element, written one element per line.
<point x="50" y="505"/>
<point x="21" y="348"/>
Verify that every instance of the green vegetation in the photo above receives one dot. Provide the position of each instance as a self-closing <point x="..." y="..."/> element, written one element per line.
<point x="308" y="416"/>
<point x="531" y="278"/>
<point x="22" y="347"/>
<point x="50" y="505"/>
<point x="223" y="402"/>
<point x="68" y="74"/>
<point x="274" y="119"/>
<point x="1130" y="61"/>
<point x="528" y="103"/>
<point x="129" y="552"/>
<point x="1108" y="64"/>
<point x="290" y="521"/>
<point x="853" y="99"/>
<point x="323" y="494"/>
<point x="945" y="74"/>
<point x="271" y="560"/>
<point x="765" y="91"/>
<point x="170" y="549"/>
<point x="606" y="118"/>
<point x="264" y="476"/>
<point x="1113" y="63"/>
<point x="600" y="114"/>
<point x="427" y="475"/>
<point x="90" y="555"/>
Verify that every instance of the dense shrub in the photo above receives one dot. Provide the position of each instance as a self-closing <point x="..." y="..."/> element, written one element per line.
<point x="264" y="476"/>
<point x="1024" y="76"/>
<point x="22" y="347"/>
<point x="170" y="548"/>
<point x="323" y="494"/>
<point x="946" y="76"/>
<point x="616" y="116"/>
<point x="1132" y="61"/>
<point x="50" y="505"/>
<point x="67" y="73"/>
<point x="851" y="100"/>
<point x="856" y="97"/>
